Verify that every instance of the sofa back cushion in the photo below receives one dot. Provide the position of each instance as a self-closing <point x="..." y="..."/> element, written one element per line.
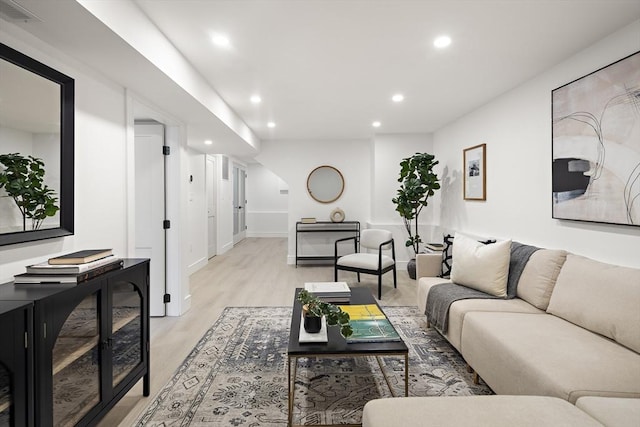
<point x="600" y="297"/>
<point x="481" y="267"/>
<point x="539" y="276"/>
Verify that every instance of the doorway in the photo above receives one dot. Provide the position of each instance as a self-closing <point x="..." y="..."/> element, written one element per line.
<point x="211" y="176"/>
<point x="150" y="195"/>
<point x="239" y="204"/>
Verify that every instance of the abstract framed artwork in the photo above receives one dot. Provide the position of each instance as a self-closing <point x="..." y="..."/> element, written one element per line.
<point x="474" y="161"/>
<point x="596" y="145"/>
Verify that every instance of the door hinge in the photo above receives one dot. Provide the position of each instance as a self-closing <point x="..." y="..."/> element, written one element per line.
<point x="166" y="224"/>
<point x="167" y="298"/>
<point x="166" y="150"/>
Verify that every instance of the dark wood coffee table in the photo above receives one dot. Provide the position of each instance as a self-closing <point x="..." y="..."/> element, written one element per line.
<point x="337" y="346"/>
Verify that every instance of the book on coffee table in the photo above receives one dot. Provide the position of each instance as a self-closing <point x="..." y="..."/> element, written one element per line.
<point x="374" y="330"/>
<point x="363" y="311"/>
<point x="329" y="291"/>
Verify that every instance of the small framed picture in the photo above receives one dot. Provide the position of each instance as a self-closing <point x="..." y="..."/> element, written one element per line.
<point x="475" y="172"/>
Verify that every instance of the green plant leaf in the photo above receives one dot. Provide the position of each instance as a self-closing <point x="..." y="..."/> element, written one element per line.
<point x="23" y="180"/>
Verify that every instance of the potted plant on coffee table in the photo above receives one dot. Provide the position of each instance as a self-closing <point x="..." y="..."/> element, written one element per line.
<point x="314" y="309"/>
<point x="418" y="182"/>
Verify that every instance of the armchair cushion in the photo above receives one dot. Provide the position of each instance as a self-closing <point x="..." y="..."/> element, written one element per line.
<point x="364" y="261"/>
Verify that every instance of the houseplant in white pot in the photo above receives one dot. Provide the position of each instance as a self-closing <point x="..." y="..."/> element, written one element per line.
<point x="418" y="182"/>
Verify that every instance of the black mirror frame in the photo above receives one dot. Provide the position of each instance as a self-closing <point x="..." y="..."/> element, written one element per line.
<point x="67" y="111"/>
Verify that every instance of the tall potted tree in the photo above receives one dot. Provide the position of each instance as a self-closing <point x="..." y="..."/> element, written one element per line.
<point x="23" y="180"/>
<point x="418" y="182"/>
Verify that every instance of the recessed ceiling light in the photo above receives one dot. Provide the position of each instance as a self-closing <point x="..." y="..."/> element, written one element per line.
<point x="376" y="124"/>
<point x="256" y="99"/>
<point x="398" y="97"/>
<point x="208" y="142"/>
<point x="220" y="40"/>
<point x="271" y="125"/>
<point x="442" y="42"/>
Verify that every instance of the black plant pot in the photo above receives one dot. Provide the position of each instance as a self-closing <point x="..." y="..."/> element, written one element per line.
<point x="312" y="324"/>
<point x="411" y="268"/>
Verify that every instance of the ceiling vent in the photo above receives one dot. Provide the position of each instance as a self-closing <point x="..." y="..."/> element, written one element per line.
<point x="12" y="11"/>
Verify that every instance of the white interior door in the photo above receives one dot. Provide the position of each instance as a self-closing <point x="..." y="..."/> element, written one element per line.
<point x="239" y="204"/>
<point x="150" y="208"/>
<point x="211" y="189"/>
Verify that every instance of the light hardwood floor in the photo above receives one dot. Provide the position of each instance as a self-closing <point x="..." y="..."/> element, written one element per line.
<point x="254" y="273"/>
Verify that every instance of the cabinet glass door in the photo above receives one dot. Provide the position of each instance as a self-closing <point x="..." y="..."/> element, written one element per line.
<point x="6" y="399"/>
<point x="126" y="329"/>
<point x="76" y="364"/>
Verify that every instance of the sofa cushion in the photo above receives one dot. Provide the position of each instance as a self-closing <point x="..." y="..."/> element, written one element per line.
<point x="472" y="411"/>
<point x="603" y="298"/>
<point x="541" y="354"/>
<point x="612" y="411"/>
<point x="539" y="276"/>
<point x="458" y="309"/>
<point x="482" y="267"/>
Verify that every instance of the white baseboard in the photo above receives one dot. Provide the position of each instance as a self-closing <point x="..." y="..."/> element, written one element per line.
<point x="226" y="248"/>
<point x="197" y="266"/>
<point x="267" y="234"/>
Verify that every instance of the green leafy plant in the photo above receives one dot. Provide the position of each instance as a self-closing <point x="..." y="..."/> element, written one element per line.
<point x="313" y="306"/>
<point x="23" y="180"/>
<point x="418" y="183"/>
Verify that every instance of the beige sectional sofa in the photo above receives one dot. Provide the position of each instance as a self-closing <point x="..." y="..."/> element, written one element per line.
<point x="572" y="333"/>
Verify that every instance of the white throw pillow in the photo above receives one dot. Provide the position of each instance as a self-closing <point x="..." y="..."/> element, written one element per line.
<point x="482" y="267"/>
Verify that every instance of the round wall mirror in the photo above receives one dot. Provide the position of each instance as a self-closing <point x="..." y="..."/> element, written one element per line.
<point x="325" y="184"/>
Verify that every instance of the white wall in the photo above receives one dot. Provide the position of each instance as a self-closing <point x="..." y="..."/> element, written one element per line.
<point x="517" y="130"/>
<point x="388" y="152"/>
<point x="103" y="175"/>
<point x="224" y="207"/>
<point x="370" y="168"/>
<point x="100" y="173"/>
<point x="197" y="212"/>
<point x="267" y="203"/>
<point x="294" y="160"/>
<point x="12" y="141"/>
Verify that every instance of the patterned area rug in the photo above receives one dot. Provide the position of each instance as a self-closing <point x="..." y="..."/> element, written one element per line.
<point x="237" y="375"/>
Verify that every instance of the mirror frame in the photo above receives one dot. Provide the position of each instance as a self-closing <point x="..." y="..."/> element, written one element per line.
<point x="309" y="184"/>
<point x="67" y="96"/>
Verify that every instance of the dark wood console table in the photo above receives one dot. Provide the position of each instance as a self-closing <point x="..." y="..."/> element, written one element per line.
<point x="350" y="227"/>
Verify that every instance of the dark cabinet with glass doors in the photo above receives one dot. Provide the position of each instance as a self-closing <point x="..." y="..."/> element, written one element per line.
<point x="91" y="343"/>
<point x="15" y="362"/>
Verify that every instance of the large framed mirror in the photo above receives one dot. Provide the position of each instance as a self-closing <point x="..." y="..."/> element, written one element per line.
<point x="325" y="184"/>
<point x="36" y="150"/>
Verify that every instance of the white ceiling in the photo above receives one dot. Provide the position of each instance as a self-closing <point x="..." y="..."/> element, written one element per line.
<point x="326" y="69"/>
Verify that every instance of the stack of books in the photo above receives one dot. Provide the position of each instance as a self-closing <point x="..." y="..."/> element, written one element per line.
<point x="433" y="247"/>
<point x="72" y="268"/>
<point x="333" y="292"/>
<point x="369" y="324"/>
